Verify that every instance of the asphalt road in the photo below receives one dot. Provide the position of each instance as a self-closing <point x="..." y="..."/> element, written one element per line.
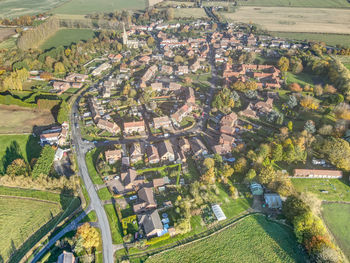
<point x="70" y="227"/>
<point x="81" y="148"/>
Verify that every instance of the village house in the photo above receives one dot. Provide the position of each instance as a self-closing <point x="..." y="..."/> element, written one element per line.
<point x="313" y="173"/>
<point x="56" y="135"/>
<point x="166" y="152"/>
<point x="174" y="86"/>
<point x="76" y="77"/>
<point x="152" y="154"/>
<point x="151" y="223"/>
<point x="195" y="66"/>
<point x="226" y="139"/>
<point x="66" y="257"/>
<point x="248" y="112"/>
<point x="97" y="71"/>
<point x="136" y="154"/>
<point x="162" y="122"/>
<point x="184" y="145"/>
<point x="198" y="148"/>
<point x="167" y="69"/>
<point x="160" y="182"/>
<point x="108" y="126"/>
<point x="181" y="113"/>
<point x="131" y="180"/>
<point x="264" y="106"/>
<point x="113" y="156"/>
<point x="146" y="200"/>
<point x="60" y="87"/>
<point x="151" y="71"/>
<point x="134" y="127"/>
<point x="157" y="86"/>
<point x="182" y="70"/>
<point x="227" y="124"/>
<point x="222" y="149"/>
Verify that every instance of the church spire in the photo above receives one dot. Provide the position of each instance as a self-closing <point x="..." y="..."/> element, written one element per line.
<point x="125" y="36"/>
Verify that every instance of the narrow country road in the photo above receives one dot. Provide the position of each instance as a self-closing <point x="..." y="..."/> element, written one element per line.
<point x="81" y="149"/>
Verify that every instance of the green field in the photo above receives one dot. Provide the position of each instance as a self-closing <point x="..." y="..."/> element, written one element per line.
<point x="14" y="8"/>
<point x="104" y="194"/>
<point x="114" y="224"/>
<point x="301" y="78"/>
<point x="8" y="43"/>
<point x="252" y="240"/>
<point x="329" y="39"/>
<point x="337" y="218"/>
<point x="338" y="190"/>
<point x="82" y="7"/>
<point x="297" y="3"/>
<point x="22" y="218"/>
<point x="195" y="13"/>
<point x="66" y="37"/>
<point x="17" y="146"/>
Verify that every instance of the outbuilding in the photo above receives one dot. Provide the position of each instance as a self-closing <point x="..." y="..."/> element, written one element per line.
<point x="219" y="214"/>
<point x="273" y="201"/>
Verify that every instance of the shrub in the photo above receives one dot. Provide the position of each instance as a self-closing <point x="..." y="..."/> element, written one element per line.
<point x="45" y="161"/>
<point x="158" y="239"/>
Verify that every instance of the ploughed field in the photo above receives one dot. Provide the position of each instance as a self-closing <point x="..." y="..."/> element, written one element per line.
<point x="254" y="239"/>
<point x="294" y="19"/>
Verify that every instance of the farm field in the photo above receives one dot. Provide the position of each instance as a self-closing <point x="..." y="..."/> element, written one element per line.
<point x="338" y="190"/>
<point x="337" y="217"/>
<point x="6" y="32"/>
<point x="66" y="37"/>
<point x="15" y="119"/>
<point x="294" y="19"/>
<point x="83" y="7"/>
<point x="252" y="240"/>
<point x="14" y="8"/>
<point x="297" y="3"/>
<point x="14" y="146"/>
<point x="329" y="39"/>
<point x="22" y="217"/>
<point x="8" y="43"/>
<point x="190" y="13"/>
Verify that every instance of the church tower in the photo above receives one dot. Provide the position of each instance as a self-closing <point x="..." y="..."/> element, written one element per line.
<point x="125" y="36"/>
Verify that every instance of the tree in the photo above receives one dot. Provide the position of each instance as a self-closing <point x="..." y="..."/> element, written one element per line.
<point x="209" y="163"/>
<point x="342" y="111"/>
<point x="150" y="42"/>
<point x="337" y="151"/>
<point x="44" y="162"/>
<point x="283" y="64"/>
<point x="88" y="237"/>
<point x="239" y="85"/>
<point x="178" y="59"/>
<point x="293" y="207"/>
<point x="251" y="85"/>
<point x="240" y="165"/>
<point x="292" y="101"/>
<point x="310" y="127"/>
<point x="267" y="174"/>
<point x="63" y="112"/>
<point x="309" y="102"/>
<point x="251" y="175"/>
<point x="277" y="152"/>
<point x="17" y="168"/>
<point x="318" y="90"/>
<point x="170" y="14"/>
<point x="209" y="176"/>
<point x="227" y="171"/>
<point x="295" y="87"/>
<point x="59" y="68"/>
<point x="233" y="192"/>
<point x="290" y="126"/>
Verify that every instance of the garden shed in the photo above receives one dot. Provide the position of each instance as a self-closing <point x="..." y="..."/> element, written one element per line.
<point x="219" y="214"/>
<point x="273" y="200"/>
<point x="256" y="189"/>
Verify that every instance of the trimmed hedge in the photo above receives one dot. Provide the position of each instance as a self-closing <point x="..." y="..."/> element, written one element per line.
<point x="9" y="100"/>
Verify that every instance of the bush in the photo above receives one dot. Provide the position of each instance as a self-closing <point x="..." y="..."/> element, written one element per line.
<point x="45" y="161"/>
<point x="158" y="239"/>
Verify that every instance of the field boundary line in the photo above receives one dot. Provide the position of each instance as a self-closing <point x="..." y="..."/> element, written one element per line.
<point x="29" y="198"/>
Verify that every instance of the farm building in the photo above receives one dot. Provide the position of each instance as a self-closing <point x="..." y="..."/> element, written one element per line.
<point x="219" y="214"/>
<point x="273" y="201"/>
<point x="256" y="189"/>
<point x="313" y="173"/>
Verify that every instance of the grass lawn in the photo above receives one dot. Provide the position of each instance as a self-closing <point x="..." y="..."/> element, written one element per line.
<point x="96" y="179"/>
<point x="82" y="7"/>
<point x="252" y="240"/>
<point x="338" y="190"/>
<point x="297" y="3"/>
<point x="15" y="119"/>
<point x="90" y="217"/>
<point x="330" y="39"/>
<point x="104" y="194"/>
<point x="303" y="79"/>
<point x="17" y="146"/>
<point x="337" y="218"/>
<point x="114" y="224"/>
<point x="66" y="37"/>
<point x="22" y="218"/>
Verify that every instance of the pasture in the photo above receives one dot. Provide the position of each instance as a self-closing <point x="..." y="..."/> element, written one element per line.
<point x="254" y="239"/>
<point x="337" y="217"/>
<point x="329" y="39"/>
<point x="8" y="43"/>
<point x="336" y="190"/>
<point x="194" y="13"/>
<point x="14" y="8"/>
<point x="66" y="37"/>
<point x="6" y="33"/>
<point x="17" y="146"/>
<point x="22" y="218"/>
<point x="297" y="3"/>
<point x="15" y="119"/>
<point x="294" y="19"/>
<point x="83" y="7"/>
